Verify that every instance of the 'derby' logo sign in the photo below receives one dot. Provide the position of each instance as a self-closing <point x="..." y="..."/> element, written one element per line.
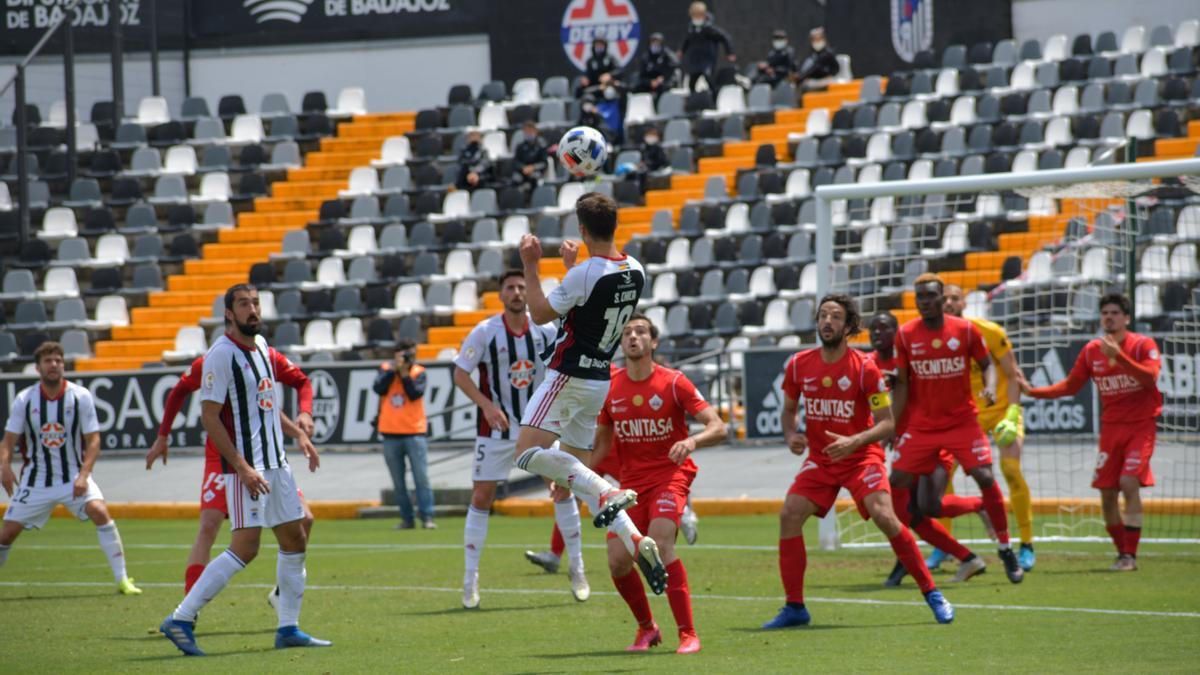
<point x="912" y="27"/>
<point x="586" y="20"/>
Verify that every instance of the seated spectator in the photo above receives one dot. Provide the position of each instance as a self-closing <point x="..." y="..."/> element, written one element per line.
<point x="658" y="68"/>
<point x="654" y="158"/>
<point x="474" y="165"/>
<point x="780" y="63"/>
<point x="818" y="69"/>
<point x="529" y="157"/>
<point x="598" y="64"/>
<point x="589" y="116"/>
<point x="700" y="48"/>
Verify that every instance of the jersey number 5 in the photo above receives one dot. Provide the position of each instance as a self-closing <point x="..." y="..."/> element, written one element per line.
<point x="615" y="319"/>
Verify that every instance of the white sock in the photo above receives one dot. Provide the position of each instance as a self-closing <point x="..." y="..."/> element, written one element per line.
<point x="4" y="554"/>
<point x="212" y="581"/>
<point x="622" y="526"/>
<point x="290" y="576"/>
<point x="566" y="514"/>
<point x="110" y="543"/>
<point x="474" y="535"/>
<point x="564" y="469"/>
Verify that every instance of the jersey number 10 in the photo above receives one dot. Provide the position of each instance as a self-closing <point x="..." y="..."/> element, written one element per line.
<point x="615" y="319"/>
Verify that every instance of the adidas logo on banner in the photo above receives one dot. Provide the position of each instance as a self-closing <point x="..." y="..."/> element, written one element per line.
<point x="277" y="10"/>
<point x="767" y="420"/>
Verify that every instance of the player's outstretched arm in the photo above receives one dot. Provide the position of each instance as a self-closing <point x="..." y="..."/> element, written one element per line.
<point x="1068" y="387"/>
<point x="7" y="479"/>
<point x="293" y="429"/>
<point x="540" y="309"/>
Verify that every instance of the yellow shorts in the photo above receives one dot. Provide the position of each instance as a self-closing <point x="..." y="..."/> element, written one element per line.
<point x="989" y="418"/>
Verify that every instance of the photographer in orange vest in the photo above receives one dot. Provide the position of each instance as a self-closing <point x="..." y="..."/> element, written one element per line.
<point x="402" y="425"/>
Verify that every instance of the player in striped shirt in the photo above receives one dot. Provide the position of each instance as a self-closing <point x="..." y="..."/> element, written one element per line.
<point x="241" y="408"/>
<point x="214" y="508"/>
<point x="54" y="425"/>
<point x="506" y="351"/>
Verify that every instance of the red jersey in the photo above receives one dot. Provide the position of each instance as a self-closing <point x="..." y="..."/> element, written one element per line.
<point x="939" y="372"/>
<point x="286" y="372"/>
<point x="887" y="367"/>
<point x="838" y="397"/>
<point x="648" y="417"/>
<point x="1123" y="397"/>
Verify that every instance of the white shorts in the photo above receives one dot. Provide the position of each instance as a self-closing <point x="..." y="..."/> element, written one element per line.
<point x="32" y="506"/>
<point x="493" y="458"/>
<point x="567" y="406"/>
<point x="280" y="505"/>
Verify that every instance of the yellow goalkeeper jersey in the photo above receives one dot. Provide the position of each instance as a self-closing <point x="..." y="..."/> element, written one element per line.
<point x="998" y="345"/>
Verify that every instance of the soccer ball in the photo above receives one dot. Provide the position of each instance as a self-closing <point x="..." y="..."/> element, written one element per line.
<point x="582" y="151"/>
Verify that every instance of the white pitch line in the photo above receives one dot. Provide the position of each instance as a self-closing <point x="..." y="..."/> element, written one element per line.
<point x="732" y="598"/>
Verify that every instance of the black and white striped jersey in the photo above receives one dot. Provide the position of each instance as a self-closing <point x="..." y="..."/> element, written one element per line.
<point x="51" y="431"/>
<point x="596" y="299"/>
<point x="242" y="379"/>
<point x="510" y="367"/>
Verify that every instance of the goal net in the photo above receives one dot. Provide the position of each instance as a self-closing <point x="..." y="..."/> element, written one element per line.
<point x="1034" y="253"/>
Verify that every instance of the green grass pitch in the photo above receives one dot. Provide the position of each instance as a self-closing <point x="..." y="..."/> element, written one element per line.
<point x="390" y="601"/>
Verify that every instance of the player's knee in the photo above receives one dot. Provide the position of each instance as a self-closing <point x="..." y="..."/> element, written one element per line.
<point x="983" y="477"/>
<point x="930" y="505"/>
<point x="98" y="512"/>
<point x="482" y="496"/>
<point x="619" y="563"/>
<point x="887" y="522"/>
<point x="1130" y="486"/>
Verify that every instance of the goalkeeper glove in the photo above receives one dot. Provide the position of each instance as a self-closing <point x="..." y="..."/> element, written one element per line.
<point x="1011" y="427"/>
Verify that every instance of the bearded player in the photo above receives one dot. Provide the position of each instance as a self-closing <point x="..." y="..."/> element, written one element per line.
<point x="882" y="331"/>
<point x="214" y="508"/>
<point x="645" y="416"/>
<point x="595" y="299"/>
<point x="847" y="413"/>
<point x="934" y="397"/>
<point x="1124" y="365"/>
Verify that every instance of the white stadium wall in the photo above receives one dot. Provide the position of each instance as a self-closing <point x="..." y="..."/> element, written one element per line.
<point x="1039" y="19"/>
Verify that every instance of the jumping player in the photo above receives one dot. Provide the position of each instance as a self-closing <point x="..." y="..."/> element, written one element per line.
<point x="240" y="409"/>
<point x="932" y="353"/>
<point x="1004" y="420"/>
<point x="847" y="412"/>
<point x="213" y="506"/>
<point x="550" y="560"/>
<point x="506" y="350"/>
<point x="54" y="424"/>
<point x="596" y="299"/>
<point x="1124" y="365"/>
<point x="646" y="417"/>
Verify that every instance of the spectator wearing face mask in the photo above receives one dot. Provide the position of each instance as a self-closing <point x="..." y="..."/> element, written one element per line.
<point x="780" y="63"/>
<point x="529" y="157"/>
<point x="702" y="46"/>
<point x="657" y="69"/>
<point x="654" y="158"/>
<point x="818" y="69"/>
<point x="589" y="116"/>
<point x="600" y="63"/>
<point x="474" y="164"/>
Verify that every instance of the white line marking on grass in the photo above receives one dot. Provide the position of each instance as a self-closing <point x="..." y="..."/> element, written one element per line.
<point x="731" y="598"/>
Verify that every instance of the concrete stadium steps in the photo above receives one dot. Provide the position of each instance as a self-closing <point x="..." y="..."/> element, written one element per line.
<point x="294" y="202"/>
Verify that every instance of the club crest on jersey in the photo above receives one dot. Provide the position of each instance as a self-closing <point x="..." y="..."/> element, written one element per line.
<point x="1154" y="354"/>
<point x="656" y="403"/>
<point x="844" y="383"/>
<point x="266" y="394"/>
<point x="953" y="344"/>
<point x="937" y="344"/>
<point x="54" y="435"/>
<point x="520" y="373"/>
<point x="638" y="400"/>
<point x="827" y="381"/>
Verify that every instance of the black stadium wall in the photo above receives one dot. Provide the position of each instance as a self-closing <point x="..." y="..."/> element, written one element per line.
<point x="529" y="38"/>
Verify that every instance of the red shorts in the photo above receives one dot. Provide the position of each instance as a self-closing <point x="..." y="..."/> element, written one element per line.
<point x="1125" y="450"/>
<point x="665" y="500"/>
<point x="212" y="488"/>
<point x="820" y="484"/>
<point x="919" y="452"/>
<point x="947" y="461"/>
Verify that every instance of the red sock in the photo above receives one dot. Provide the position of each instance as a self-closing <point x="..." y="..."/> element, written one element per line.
<point x="1117" y="532"/>
<point x="936" y="534"/>
<point x="190" y="576"/>
<point x="680" y="597"/>
<point x="906" y="550"/>
<point x="1133" y="535"/>
<point x="792" y="561"/>
<point x="900" y="497"/>
<point x="993" y="501"/>
<point x="631" y="589"/>
<point x="954" y="506"/>
<point x="557" y="545"/>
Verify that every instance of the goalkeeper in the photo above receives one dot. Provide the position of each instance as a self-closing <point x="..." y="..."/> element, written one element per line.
<point x="1003" y="420"/>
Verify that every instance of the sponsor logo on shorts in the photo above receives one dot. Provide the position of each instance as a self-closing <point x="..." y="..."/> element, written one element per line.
<point x="209" y="495"/>
<point x="872" y="477"/>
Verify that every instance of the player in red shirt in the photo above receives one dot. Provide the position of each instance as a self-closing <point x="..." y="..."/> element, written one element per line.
<point x="882" y="331"/>
<point x="1124" y="366"/>
<point x="645" y="419"/>
<point x="934" y="397"/>
<point x="847" y="413"/>
<point x="213" y="507"/>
